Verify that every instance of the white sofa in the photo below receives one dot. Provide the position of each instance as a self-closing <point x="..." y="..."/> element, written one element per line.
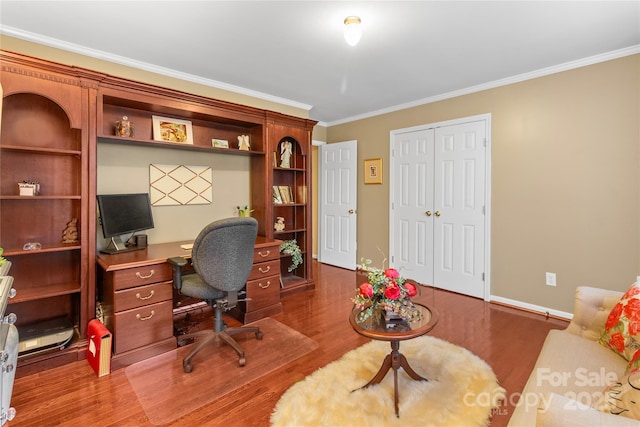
<point x="573" y="370"/>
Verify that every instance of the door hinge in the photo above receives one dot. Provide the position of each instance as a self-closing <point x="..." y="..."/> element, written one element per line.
<point x="484" y="210"/>
<point x="483" y="277"/>
<point x="484" y="141"/>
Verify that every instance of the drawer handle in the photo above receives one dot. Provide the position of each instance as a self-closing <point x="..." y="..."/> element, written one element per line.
<point x="140" y="276"/>
<point x="145" y="318"/>
<point x="264" y="271"/>
<point x="264" y="255"/>
<point x="143" y="298"/>
<point x="264" y="286"/>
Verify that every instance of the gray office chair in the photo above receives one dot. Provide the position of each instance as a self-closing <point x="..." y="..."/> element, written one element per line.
<point x="222" y="257"/>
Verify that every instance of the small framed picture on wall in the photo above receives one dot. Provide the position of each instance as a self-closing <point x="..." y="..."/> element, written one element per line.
<point x="373" y="171"/>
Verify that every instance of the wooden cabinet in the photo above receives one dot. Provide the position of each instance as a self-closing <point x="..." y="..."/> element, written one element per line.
<point x="268" y="132"/>
<point x="291" y="178"/>
<point x="53" y="117"/>
<point x="136" y="294"/>
<point x="45" y="140"/>
<point x="137" y="300"/>
<point x="263" y="284"/>
<point x="210" y="119"/>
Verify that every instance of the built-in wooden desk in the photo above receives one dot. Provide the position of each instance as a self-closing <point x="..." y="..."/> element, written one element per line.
<point x="136" y="293"/>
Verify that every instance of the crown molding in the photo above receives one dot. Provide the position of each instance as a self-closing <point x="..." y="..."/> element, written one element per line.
<point x="608" y="56"/>
<point x="117" y="59"/>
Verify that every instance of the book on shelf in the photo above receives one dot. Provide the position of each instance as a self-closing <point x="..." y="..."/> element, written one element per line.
<point x="277" y="197"/>
<point x="99" y="348"/>
<point x="285" y="192"/>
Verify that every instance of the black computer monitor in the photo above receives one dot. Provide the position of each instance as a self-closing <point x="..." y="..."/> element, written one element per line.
<point x="122" y="214"/>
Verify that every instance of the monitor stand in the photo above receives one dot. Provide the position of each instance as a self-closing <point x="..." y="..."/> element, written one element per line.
<point x="117" y="246"/>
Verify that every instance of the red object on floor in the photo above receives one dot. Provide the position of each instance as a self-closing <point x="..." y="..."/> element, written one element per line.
<point x="99" y="349"/>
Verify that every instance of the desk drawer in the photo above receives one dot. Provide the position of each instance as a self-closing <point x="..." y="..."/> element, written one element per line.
<point x="141" y="326"/>
<point x="263" y="292"/>
<point x="266" y="253"/>
<point x="142" y="295"/>
<point x="264" y="269"/>
<point x="136" y="276"/>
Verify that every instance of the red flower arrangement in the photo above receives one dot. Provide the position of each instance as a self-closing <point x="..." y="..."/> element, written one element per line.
<point x="385" y="290"/>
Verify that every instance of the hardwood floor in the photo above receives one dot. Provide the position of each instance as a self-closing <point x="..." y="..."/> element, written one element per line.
<point x="509" y="340"/>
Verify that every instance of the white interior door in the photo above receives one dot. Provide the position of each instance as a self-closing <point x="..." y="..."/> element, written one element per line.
<point x="338" y="203"/>
<point x="438" y="223"/>
<point x="459" y="206"/>
<point x="412" y="204"/>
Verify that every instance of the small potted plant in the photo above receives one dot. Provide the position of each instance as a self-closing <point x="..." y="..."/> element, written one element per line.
<point x="290" y="247"/>
<point x="244" y="211"/>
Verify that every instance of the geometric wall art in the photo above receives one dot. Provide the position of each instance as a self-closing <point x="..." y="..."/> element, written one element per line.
<point x="171" y="185"/>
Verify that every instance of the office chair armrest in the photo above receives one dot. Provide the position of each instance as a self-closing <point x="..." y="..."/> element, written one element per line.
<point x="176" y="265"/>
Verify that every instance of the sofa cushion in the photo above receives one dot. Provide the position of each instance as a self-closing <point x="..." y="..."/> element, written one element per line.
<point x="560" y="411"/>
<point x="623" y="397"/>
<point x="622" y="329"/>
<point x="591" y="309"/>
<point x="569" y="366"/>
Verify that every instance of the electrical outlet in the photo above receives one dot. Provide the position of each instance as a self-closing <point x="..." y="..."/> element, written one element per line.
<point x="551" y="279"/>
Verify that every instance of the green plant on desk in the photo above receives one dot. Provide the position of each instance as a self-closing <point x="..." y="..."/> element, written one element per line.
<point x="2" y="259"/>
<point x="290" y="247"/>
<point x="244" y="211"/>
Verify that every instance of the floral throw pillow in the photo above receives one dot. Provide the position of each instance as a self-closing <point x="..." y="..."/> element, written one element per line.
<point x="622" y="329"/>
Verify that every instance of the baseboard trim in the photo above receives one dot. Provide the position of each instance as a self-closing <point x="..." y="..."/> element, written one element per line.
<point x="537" y="309"/>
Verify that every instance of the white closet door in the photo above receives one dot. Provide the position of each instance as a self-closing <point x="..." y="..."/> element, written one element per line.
<point x="438" y="196"/>
<point x="459" y="208"/>
<point x="412" y="202"/>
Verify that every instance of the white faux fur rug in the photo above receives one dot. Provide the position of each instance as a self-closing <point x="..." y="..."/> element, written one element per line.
<point x="461" y="392"/>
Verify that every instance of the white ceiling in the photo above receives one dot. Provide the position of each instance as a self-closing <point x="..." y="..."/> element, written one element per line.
<point x="294" y="52"/>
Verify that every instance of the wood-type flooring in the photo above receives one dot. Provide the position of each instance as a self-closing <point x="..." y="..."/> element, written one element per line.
<point x="508" y="339"/>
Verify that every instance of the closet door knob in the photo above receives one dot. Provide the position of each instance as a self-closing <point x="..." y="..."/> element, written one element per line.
<point x="428" y="213"/>
<point x="437" y="213"/>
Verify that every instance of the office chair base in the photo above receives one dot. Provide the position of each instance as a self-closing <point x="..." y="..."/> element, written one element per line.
<point x="211" y="337"/>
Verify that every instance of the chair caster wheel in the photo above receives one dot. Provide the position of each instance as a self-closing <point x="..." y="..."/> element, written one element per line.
<point x="242" y="361"/>
<point x="259" y="335"/>
<point x="187" y="367"/>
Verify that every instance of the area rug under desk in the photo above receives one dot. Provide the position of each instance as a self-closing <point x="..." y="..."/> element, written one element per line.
<point x="461" y="392"/>
<point x="160" y="379"/>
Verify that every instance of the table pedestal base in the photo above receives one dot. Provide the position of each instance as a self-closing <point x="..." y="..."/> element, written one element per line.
<point x="394" y="360"/>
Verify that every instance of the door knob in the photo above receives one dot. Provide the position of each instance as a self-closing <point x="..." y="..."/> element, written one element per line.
<point x="428" y="213"/>
<point x="437" y="213"/>
<point x="351" y="211"/>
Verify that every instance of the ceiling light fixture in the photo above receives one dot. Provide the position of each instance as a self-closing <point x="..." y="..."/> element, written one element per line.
<point x="352" y="30"/>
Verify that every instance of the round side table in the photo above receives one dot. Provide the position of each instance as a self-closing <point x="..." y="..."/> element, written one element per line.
<point x="378" y="329"/>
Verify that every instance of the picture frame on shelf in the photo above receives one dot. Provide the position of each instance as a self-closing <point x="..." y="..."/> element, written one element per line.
<point x="219" y="143"/>
<point x="167" y="129"/>
<point x="373" y="171"/>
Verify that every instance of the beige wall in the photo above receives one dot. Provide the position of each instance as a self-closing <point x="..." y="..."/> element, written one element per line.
<point x="565" y="179"/>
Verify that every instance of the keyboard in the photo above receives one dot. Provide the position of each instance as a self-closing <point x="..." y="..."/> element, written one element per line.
<point x="187" y="246"/>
